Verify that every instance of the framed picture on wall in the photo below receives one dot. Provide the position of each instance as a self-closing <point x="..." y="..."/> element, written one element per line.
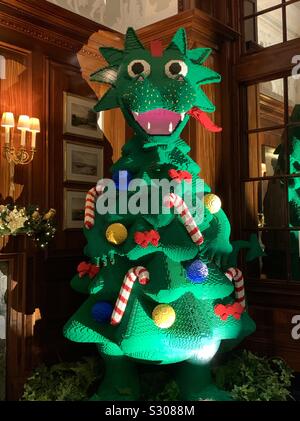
<point x="74" y="203"/>
<point x="79" y="117"/>
<point x="82" y="162"/>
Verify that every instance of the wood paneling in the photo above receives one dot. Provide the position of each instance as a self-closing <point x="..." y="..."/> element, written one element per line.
<point x="272" y="303"/>
<point x="90" y="60"/>
<point x="40" y="42"/>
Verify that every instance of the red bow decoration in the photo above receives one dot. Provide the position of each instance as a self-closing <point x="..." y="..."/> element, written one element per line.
<point x="234" y="310"/>
<point x="85" y="268"/>
<point x="143" y="239"/>
<point x="203" y="118"/>
<point x="179" y="176"/>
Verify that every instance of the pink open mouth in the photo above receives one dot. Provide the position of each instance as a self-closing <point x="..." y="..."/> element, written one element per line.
<point x="159" y="121"/>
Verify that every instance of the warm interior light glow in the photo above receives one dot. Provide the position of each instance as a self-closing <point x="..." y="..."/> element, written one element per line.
<point x="23" y="125"/>
<point x="34" y="125"/>
<point x="34" y="128"/>
<point x="8" y="120"/>
<point x="206" y="352"/>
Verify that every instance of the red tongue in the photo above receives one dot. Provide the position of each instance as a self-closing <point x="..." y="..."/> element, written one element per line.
<point x="204" y="120"/>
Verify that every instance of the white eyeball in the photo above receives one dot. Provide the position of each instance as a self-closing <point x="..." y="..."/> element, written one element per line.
<point x="175" y="68"/>
<point x="139" y="68"/>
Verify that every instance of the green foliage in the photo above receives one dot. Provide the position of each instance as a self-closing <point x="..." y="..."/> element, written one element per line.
<point x="158" y="386"/>
<point x="246" y="376"/>
<point x="63" y="381"/>
<point x="249" y="377"/>
<point x="15" y="220"/>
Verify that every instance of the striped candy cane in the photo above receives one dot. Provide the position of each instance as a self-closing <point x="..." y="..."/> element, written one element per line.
<point x="139" y="273"/>
<point x="173" y="200"/>
<point x="89" y="210"/>
<point x="236" y="276"/>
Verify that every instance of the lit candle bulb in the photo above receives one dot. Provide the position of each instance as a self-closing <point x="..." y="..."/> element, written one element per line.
<point x="34" y="128"/>
<point x="8" y="121"/>
<point x="23" y="125"/>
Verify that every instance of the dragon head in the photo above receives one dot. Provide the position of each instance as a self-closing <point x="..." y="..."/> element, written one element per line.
<point x="157" y="91"/>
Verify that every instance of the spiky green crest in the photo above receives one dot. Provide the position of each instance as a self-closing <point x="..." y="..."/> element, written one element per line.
<point x="115" y="74"/>
<point x="179" y="41"/>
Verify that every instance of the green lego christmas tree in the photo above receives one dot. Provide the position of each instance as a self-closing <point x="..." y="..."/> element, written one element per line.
<point x="160" y="286"/>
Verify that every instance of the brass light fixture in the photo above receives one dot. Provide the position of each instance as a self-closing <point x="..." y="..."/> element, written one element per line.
<point x="22" y="155"/>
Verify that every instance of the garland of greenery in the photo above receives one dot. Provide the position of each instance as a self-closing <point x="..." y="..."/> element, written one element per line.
<point x="15" y="220"/>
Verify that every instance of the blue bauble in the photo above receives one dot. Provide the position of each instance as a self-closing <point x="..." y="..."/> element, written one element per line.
<point x="122" y="179"/>
<point x="197" y="272"/>
<point x="102" y="311"/>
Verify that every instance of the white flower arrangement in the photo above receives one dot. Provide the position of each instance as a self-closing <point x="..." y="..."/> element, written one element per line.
<point x="16" y="220"/>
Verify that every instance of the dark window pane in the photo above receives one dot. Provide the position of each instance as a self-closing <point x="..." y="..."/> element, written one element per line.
<point x="294" y="149"/>
<point x="263" y="152"/>
<point x="266" y="104"/>
<point x="265" y="204"/>
<point x="295" y="255"/>
<point x="274" y="264"/>
<point x="249" y="7"/>
<point x="294" y="201"/>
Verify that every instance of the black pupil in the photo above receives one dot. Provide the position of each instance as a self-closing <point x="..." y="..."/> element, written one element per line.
<point x="175" y="68"/>
<point x="138" y="68"/>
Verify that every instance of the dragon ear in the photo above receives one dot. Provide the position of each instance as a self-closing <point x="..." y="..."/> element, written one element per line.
<point x="131" y="41"/>
<point x="203" y="102"/>
<point x="113" y="56"/>
<point x="108" y="101"/>
<point x="199" y="55"/>
<point x="207" y="75"/>
<point x="179" y="41"/>
<point x="107" y="75"/>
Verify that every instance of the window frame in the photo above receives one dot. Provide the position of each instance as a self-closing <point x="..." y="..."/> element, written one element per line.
<point x="248" y="73"/>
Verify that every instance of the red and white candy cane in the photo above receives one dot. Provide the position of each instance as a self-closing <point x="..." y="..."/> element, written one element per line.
<point x="173" y="200"/>
<point x="236" y="276"/>
<point x="139" y="273"/>
<point x="89" y="210"/>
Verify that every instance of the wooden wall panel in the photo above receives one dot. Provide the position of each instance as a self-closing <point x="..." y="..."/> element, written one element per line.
<point x="40" y="42"/>
<point x="15" y="94"/>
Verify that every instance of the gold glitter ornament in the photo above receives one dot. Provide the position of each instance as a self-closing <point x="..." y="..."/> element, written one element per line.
<point x="163" y="316"/>
<point x="50" y="214"/>
<point x="116" y="234"/>
<point x="212" y="202"/>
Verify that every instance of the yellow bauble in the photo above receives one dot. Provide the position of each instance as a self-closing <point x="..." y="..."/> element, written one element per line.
<point x="163" y="316"/>
<point x="116" y="234"/>
<point x="212" y="203"/>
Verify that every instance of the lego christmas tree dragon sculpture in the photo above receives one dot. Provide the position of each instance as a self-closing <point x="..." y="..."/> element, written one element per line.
<point x="160" y="282"/>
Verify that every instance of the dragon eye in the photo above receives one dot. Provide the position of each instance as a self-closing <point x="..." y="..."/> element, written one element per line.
<point x="138" y="67"/>
<point x="175" y="68"/>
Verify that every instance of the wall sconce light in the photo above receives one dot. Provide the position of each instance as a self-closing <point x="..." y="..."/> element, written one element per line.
<point x="22" y="155"/>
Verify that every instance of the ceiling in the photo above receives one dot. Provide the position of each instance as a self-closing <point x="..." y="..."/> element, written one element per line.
<point x="119" y="14"/>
